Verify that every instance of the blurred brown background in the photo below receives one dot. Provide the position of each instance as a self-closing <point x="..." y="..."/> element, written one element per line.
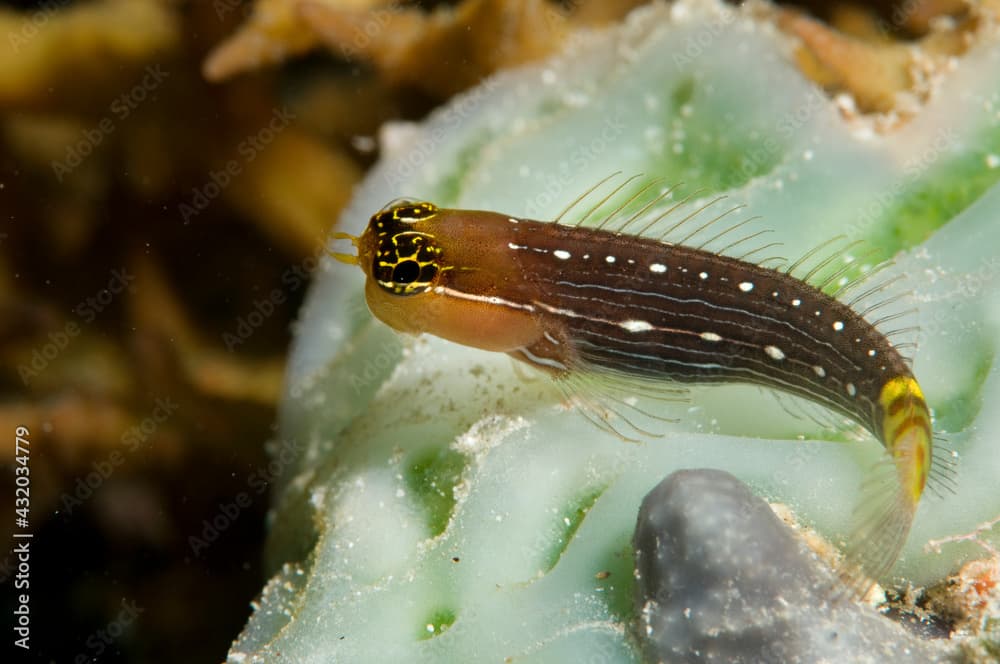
<point x="168" y="170"/>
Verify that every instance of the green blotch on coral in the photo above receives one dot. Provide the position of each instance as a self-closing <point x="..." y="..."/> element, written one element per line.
<point x="367" y="566"/>
<point x="710" y="159"/>
<point x="449" y="187"/>
<point x="958" y="413"/>
<point x="937" y="196"/>
<point x="682" y="93"/>
<point x="437" y="622"/>
<point x="432" y="477"/>
<point x="617" y="586"/>
<point x="569" y="522"/>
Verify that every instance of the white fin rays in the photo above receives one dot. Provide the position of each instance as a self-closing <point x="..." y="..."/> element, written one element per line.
<point x="631" y="199"/>
<point x="576" y="201"/>
<point x="611" y="401"/>
<point x="828" y="420"/>
<point x="881" y="524"/>
<point x="652" y="209"/>
<point x="820" y="268"/>
<point x="884" y="514"/>
<point x="609" y="196"/>
<point x="943" y="478"/>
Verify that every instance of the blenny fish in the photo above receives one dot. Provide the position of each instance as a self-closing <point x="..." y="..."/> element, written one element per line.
<point x="614" y="310"/>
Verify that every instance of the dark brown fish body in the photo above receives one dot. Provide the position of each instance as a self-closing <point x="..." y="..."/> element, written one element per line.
<point x="575" y="300"/>
<point x="640" y="306"/>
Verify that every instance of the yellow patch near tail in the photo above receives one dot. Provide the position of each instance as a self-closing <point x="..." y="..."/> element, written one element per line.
<point x="906" y="433"/>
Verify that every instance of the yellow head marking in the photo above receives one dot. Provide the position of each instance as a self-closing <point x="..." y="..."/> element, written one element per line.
<point x="406" y="261"/>
<point x="406" y="212"/>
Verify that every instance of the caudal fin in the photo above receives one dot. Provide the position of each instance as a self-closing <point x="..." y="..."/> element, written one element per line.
<point x="891" y="493"/>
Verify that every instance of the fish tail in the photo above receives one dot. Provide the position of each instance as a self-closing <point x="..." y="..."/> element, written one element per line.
<point x="907" y="433"/>
<point x="893" y="490"/>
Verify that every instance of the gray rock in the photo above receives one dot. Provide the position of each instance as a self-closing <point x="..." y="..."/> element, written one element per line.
<point x="722" y="579"/>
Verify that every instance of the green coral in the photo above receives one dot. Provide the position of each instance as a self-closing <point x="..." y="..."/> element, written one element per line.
<point x="436" y="486"/>
<point x="433" y="476"/>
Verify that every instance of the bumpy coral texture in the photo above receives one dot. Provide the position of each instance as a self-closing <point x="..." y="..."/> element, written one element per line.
<point x="444" y="508"/>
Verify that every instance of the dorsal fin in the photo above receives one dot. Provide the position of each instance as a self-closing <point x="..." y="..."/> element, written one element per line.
<point x="650" y="209"/>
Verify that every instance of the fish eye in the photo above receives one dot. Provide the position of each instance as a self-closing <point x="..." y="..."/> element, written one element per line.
<point x="406" y="263"/>
<point x="406" y="272"/>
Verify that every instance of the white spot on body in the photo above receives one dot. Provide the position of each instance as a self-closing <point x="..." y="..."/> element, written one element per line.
<point x="851" y="390"/>
<point x="746" y="286"/>
<point x="838" y="325"/>
<point x="636" y="325"/>
<point x="517" y="246"/>
<point x="657" y="267"/>
<point x="820" y="371"/>
<point x="512" y="220"/>
<point x="561" y="254"/>
<point x="774" y="352"/>
<point x="703" y="275"/>
<point x="710" y="336"/>
<point x="610" y="259"/>
<point x="872" y="353"/>
<point x="796" y="302"/>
